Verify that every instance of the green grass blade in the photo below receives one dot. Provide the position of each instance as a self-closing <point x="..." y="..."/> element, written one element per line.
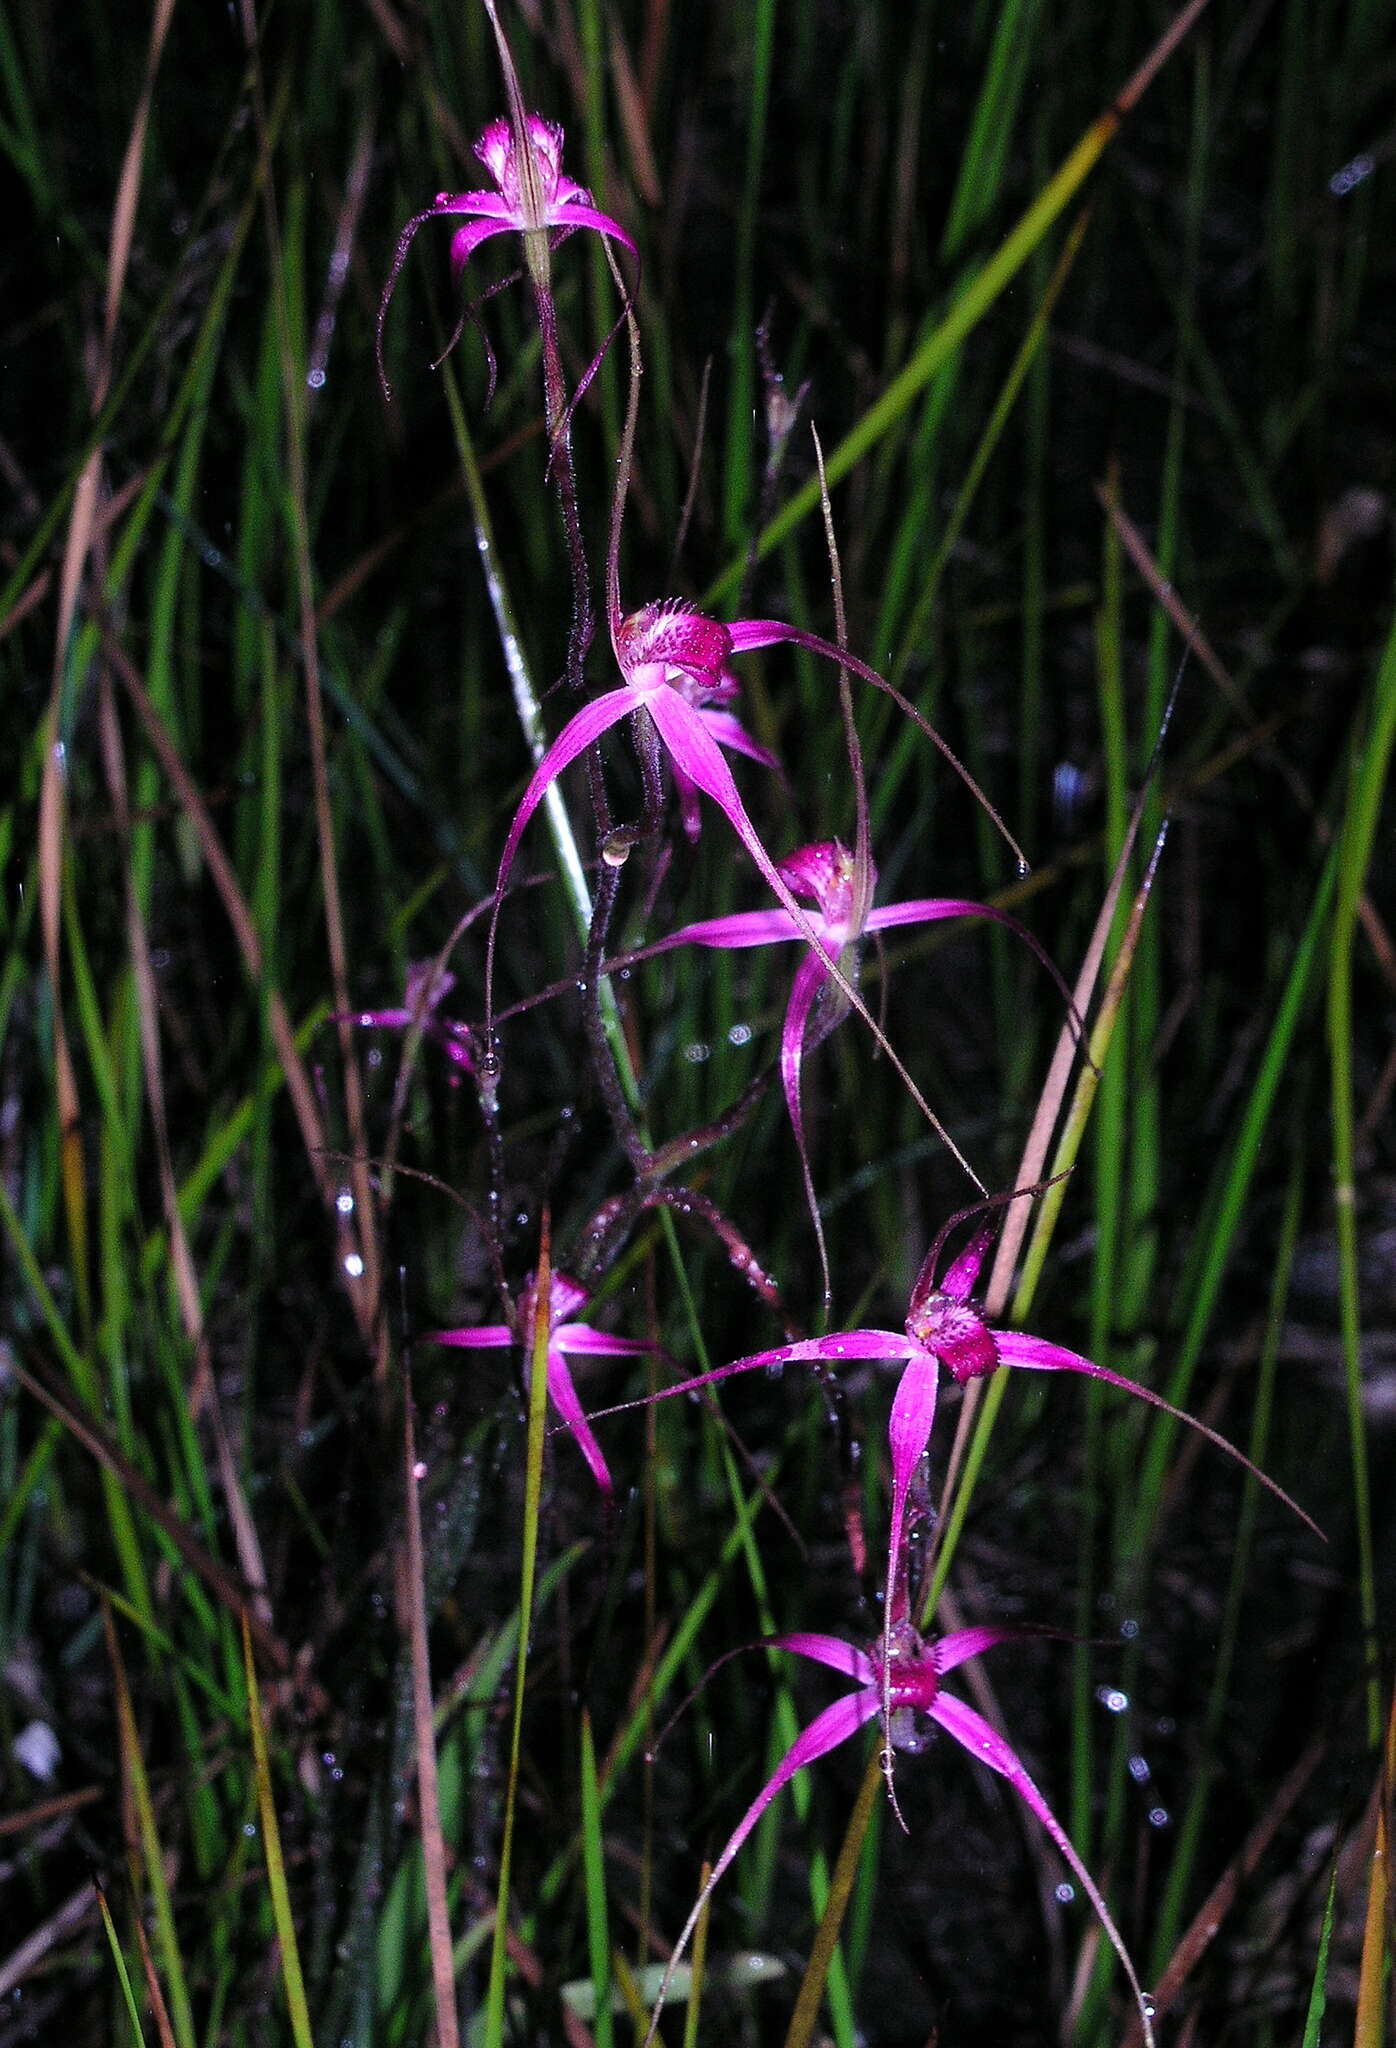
<point x="292" y="1979"/>
<point x="594" y="1871"/>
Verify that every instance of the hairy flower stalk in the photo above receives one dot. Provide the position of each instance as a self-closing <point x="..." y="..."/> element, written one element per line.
<point x="904" y="1675"/>
<point x="566" y="1338"/>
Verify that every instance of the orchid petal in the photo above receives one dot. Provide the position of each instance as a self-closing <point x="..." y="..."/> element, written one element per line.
<point x="700" y="758"/>
<point x="963" y="1643"/>
<point x="743" y="928"/>
<point x="931" y="910"/>
<point x="568" y="214"/>
<point x="576" y="736"/>
<point x="486" y="1337"/>
<point x="563" y="1395"/>
<point x="962" y="1275"/>
<point x="908" y="1433"/>
<point x="484" y="205"/>
<point x="749" y="633"/>
<point x="811" y="976"/>
<point x="465" y="241"/>
<point x="974" y="1733"/>
<point x="831" y="1650"/>
<point x="582" y="1338"/>
<point x="731" y="733"/>
<point x="1016" y="1347"/>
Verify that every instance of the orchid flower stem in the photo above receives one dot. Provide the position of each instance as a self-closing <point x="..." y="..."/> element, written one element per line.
<point x="604" y="1062"/>
<point x="561" y="464"/>
<point x="529" y="710"/>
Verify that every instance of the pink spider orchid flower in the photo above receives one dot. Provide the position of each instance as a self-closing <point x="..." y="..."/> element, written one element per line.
<point x="427" y="988"/>
<point x="906" y="1674"/>
<point x="566" y="1337"/>
<point x="674" y="660"/>
<point x="840" y="887"/>
<point x="944" y="1328"/>
<point x="533" y="196"/>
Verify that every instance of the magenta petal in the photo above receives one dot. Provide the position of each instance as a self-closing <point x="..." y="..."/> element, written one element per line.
<point x="465" y="241"/>
<point x="811" y="976"/>
<point x="968" y="1642"/>
<point x="482" y="205"/>
<point x="933" y="910"/>
<point x="699" y="756"/>
<point x="962" y="1276"/>
<point x="384" y="1020"/>
<point x="742" y="928"/>
<point x="833" y="1651"/>
<point x="576" y="736"/>
<point x="749" y="633"/>
<point x="908" y="1433"/>
<point x="984" y="1742"/>
<point x="489" y="1337"/>
<point x="729" y="732"/>
<point x="1015" y="1347"/>
<point x="582" y="1338"/>
<point x="825" y="1732"/>
<point x="568" y="214"/>
<point x="563" y="1395"/>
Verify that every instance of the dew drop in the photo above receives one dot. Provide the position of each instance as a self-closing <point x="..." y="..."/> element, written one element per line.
<point x="354" y="1266"/>
<point x="344" y="1202"/>
<point x="1065" y="1893"/>
<point x="1112" y="1699"/>
<point x="1129" y="1629"/>
<point x="1159" y="1817"/>
<point x="1139" y="1769"/>
<point x="1351" y="175"/>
